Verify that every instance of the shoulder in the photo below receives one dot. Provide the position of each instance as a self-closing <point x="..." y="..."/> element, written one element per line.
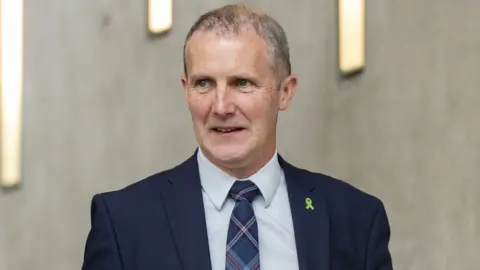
<point x="342" y="192"/>
<point x="136" y="190"/>
<point x="351" y="211"/>
<point x="341" y="196"/>
<point x="144" y="192"/>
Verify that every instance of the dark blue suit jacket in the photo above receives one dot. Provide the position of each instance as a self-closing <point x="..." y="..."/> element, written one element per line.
<point x="159" y="224"/>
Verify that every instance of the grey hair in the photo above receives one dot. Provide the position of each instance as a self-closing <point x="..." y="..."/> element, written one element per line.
<point x="232" y="19"/>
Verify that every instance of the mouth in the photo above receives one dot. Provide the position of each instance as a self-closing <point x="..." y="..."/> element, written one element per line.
<point x="227" y="130"/>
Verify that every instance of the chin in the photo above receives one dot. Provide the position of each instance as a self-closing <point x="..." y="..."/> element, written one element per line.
<point x="227" y="154"/>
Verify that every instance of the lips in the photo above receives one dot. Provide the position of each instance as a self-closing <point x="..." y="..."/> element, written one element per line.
<point x="227" y="129"/>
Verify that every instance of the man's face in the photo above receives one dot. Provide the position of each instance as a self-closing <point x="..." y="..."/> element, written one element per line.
<point x="232" y="96"/>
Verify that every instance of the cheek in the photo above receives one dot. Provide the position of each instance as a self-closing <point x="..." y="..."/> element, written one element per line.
<point x="261" y="114"/>
<point x="198" y="112"/>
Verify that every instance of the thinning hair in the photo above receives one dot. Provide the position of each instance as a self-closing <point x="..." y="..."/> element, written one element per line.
<point x="232" y="19"/>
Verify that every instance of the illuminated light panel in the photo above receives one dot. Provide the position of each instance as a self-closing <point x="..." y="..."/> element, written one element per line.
<point x="11" y="79"/>
<point x="159" y="16"/>
<point x="351" y="16"/>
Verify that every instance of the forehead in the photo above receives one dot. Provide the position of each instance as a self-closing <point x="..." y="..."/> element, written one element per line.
<point x="214" y="52"/>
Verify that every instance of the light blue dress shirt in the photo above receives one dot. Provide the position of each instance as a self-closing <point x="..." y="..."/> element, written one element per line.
<point x="272" y="210"/>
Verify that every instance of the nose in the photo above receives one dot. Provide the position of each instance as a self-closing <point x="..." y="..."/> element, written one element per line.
<point x="223" y="104"/>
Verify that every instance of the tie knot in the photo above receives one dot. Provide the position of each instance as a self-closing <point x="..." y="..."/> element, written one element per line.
<point x="244" y="190"/>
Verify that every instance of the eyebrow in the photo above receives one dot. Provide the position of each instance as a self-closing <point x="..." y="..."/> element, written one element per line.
<point x="196" y="77"/>
<point x="245" y="75"/>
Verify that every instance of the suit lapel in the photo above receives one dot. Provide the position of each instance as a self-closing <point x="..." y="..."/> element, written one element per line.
<point x="184" y="204"/>
<point x="311" y="226"/>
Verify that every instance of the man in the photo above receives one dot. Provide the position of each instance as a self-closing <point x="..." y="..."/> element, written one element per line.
<point x="236" y="203"/>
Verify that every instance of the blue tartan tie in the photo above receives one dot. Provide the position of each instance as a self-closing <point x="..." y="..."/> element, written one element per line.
<point x="242" y="239"/>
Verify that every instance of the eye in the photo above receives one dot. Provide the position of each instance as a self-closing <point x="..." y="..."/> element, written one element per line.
<point x="242" y="82"/>
<point x="201" y="83"/>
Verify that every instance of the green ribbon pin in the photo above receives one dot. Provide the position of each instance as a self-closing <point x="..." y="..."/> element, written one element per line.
<point x="309" y="204"/>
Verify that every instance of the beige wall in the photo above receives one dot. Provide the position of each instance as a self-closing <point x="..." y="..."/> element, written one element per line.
<point x="408" y="129"/>
<point x="104" y="108"/>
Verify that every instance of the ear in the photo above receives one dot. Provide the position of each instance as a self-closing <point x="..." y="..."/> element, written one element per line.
<point x="185" y="88"/>
<point x="287" y="91"/>
<point x="184" y="82"/>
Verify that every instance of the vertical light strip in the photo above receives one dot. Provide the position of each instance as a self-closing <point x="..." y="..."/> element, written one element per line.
<point x="11" y="80"/>
<point x="351" y="15"/>
<point x="159" y="16"/>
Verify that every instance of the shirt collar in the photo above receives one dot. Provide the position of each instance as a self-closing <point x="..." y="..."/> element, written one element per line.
<point x="216" y="183"/>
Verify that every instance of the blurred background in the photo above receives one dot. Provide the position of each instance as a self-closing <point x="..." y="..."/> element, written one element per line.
<point x="103" y="107"/>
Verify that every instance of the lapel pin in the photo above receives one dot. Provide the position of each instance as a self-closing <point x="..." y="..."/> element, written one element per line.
<point x="309" y="204"/>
